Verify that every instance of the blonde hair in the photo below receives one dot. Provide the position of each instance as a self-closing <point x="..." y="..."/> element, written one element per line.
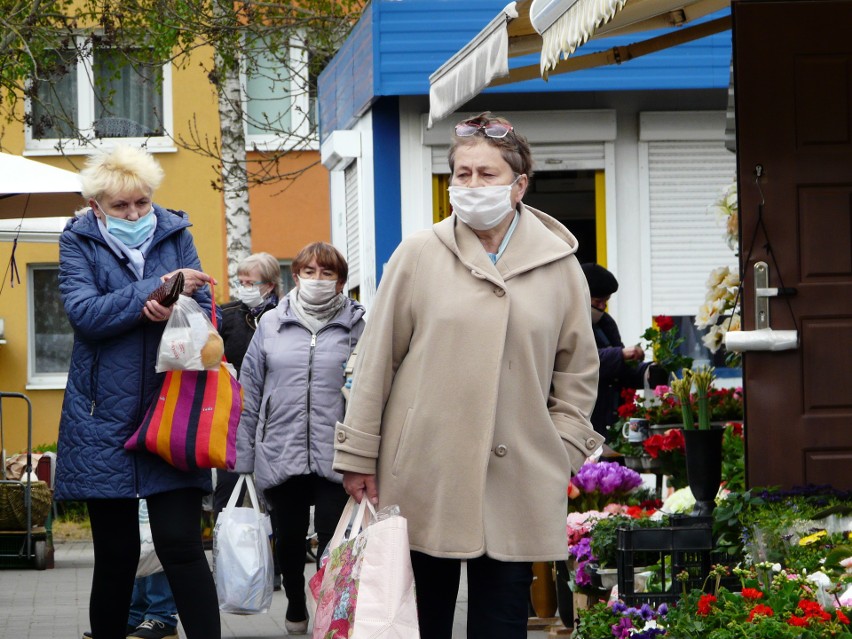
<point x="119" y="170"/>
<point x="267" y="266"/>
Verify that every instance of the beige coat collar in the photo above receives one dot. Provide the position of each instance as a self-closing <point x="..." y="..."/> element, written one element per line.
<point x="538" y="239"/>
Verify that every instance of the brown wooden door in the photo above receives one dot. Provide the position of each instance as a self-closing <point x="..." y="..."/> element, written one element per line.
<point x="793" y="87"/>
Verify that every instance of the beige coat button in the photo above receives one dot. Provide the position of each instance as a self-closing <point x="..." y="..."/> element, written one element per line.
<point x="501" y="450"/>
<point x="591" y="443"/>
<point x="499" y="292"/>
<point x="341" y="436"/>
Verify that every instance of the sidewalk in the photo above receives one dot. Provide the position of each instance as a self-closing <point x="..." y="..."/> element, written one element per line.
<point x="54" y="603"/>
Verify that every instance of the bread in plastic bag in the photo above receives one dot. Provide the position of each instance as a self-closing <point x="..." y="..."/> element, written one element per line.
<point x="189" y="342"/>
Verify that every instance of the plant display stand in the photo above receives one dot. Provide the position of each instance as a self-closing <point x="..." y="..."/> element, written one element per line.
<point x="684" y="546"/>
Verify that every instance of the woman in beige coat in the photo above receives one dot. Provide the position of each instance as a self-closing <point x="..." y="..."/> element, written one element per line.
<point x="473" y="390"/>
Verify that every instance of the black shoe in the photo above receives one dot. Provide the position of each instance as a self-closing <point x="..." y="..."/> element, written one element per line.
<point x="276" y="583"/>
<point x="151" y="629"/>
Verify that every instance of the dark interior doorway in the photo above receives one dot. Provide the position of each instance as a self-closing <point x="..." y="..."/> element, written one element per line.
<point x="569" y="196"/>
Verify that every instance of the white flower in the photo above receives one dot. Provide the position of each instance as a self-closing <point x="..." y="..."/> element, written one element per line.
<point x="708" y="313"/>
<point x="714" y="338"/>
<point x="680" y="501"/>
<point x="717" y="276"/>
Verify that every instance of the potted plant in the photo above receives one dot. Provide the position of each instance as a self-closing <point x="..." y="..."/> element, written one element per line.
<point x="604" y="545"/>
<point x="703" y="443"/>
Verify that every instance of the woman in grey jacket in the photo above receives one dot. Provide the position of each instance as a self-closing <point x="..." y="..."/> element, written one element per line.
<point x="292" y="376"/>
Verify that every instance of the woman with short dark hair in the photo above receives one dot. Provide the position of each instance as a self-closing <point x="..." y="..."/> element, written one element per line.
<point x="292" y="377"/>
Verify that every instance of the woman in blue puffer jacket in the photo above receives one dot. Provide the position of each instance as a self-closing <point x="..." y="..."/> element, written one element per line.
<point x="292" y="377"/>
<point x="112" y="256"/>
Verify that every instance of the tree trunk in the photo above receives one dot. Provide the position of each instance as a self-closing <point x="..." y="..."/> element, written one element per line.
<point x="233" y="153"/>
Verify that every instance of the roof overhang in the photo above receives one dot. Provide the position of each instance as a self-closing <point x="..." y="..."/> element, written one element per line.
<point x="556" y="29"/>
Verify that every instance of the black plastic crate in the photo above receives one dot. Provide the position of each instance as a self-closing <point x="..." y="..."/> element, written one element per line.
<point x="684" y="546"/>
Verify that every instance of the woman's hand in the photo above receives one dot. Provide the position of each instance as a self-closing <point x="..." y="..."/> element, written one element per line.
<point x="156" y="312"/>
<point x="192" y="279"/>
<point x="633" y="353"/>
<point x="358" y="485"/>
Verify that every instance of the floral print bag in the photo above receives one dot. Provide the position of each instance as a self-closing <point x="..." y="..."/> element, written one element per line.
<point x="365" y="585"/>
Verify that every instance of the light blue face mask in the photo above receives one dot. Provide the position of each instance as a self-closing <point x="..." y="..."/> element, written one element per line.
<point x="131" y="234"/>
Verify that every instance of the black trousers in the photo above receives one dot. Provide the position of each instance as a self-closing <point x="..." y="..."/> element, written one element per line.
<point x="291" y="512"/>
<point x="175" y="518"/>
<point x="498" y="596"/>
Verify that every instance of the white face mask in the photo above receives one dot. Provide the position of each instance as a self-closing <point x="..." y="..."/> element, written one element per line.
<point x="483" y="207"/>
<point x="250" y="295"/>
<point x="317" y="291"/>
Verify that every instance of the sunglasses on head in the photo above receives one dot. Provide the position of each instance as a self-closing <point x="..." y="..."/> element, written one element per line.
<point x="492" y="129"/>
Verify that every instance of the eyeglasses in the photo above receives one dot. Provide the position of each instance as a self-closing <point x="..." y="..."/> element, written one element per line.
<point x="250" y="283"/>
<point x="492" y="129"/>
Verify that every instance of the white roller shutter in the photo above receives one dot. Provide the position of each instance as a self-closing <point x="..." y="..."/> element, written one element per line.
<point x="353" y="224"/>
<point x="687" y="242"/>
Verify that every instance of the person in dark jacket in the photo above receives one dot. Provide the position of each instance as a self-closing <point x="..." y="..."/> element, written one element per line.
<point x="259" y="276"/>
<point x="292" y="377"/>
<point x="112" y="256"/>
<point x="621" y="366"/>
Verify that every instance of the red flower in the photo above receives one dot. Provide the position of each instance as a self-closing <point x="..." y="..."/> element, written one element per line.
<point x="653" y="445"/>
<point x="752" y="593"/>
<point x="799" y="622"/>
<point x="736" y="428"/>
<point x="704" y="604"/>
<point x="664" y="323"/>
<point x="812" y="609"/>
<point x="673" y="440"/>
<point x="842" y="618"/>
<point x="626" y="411"/>
<point x="760" y="610"/>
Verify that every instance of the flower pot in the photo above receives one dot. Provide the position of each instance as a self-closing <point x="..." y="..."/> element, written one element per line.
<point x="543" y="590"/>
<point x="659" y="429"/>
<point x="605" y="578"/>
<point x="633" y="463"/>
<point x="564" y="596"/>
<point x="704" y="467"/>
<point x="651" y="463"/>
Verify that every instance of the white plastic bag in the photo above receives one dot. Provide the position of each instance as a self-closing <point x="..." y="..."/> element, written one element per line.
<point x="149" y="563"/>
<point x="242" y="555"/>
<point x="186" y="335"/>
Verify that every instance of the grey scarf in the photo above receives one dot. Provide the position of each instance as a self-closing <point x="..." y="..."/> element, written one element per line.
<point x="315" y="316"/>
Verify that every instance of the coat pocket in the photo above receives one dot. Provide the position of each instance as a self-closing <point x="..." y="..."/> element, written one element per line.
<point x="401" y="446"/>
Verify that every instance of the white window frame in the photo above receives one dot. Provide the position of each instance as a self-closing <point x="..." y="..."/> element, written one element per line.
<point x="35" y="379"/>
<point x="300" y="137"/>
<point x="86" y="118"/>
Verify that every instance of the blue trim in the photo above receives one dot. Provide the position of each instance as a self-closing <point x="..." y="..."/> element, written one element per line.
<point x="387" y="174"/>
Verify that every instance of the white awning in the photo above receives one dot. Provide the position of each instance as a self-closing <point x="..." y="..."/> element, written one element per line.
<point x="481" y="60"/>
<point x="556" y="29"/>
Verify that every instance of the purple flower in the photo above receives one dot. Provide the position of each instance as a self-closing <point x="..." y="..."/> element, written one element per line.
<point x="606" y="478"/>
<point x="623" y="628"/>
<point x="663" y="610"/>
<point x="581" y="577"/>
<point x="618" y="607"/>
<point x="646" y="612"/>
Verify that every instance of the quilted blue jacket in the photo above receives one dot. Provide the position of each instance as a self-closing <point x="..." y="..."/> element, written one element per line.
<point x="111" y="380"/>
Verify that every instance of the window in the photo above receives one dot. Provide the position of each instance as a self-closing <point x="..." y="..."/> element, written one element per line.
<point x="50" y="334"/>
<point x="287" y="281"/>
<point x="97" y="92"/>
<point x="279" y="104"/>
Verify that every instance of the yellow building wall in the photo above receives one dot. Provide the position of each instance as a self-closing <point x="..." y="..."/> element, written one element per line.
<point x="13" y="355"/>
<point x="187" y="186"/>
